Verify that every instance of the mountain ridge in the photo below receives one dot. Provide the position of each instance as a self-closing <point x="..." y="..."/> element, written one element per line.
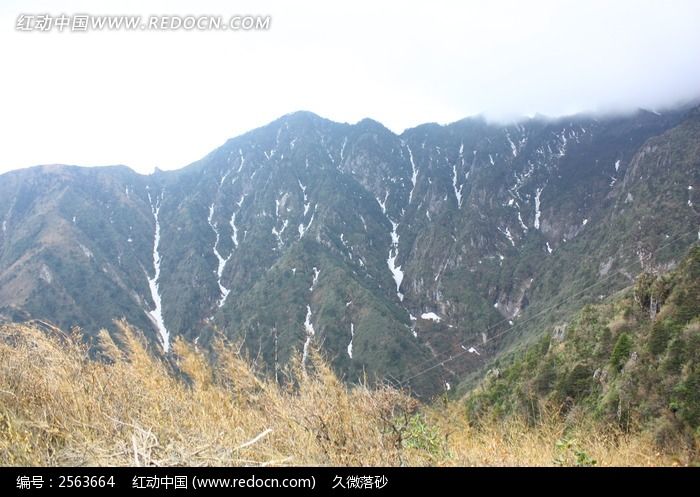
<point x="306" y="231"/>
<point x="689" y="107"/>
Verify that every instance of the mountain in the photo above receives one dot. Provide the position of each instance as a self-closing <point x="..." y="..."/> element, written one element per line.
<point x="412" y="258"/>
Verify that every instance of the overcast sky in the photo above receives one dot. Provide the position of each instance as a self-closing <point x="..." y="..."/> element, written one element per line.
<point x="165" y="99"/>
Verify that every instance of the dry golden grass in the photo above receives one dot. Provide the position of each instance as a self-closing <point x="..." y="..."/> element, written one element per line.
<point x="552" y="442"/>
<point x="58" y="406"/>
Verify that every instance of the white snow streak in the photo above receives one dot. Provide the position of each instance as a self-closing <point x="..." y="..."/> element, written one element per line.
<point x="307" y="204"/>
<point x="522" y="224"/>
<point x="223" y="178"/>
<point x="549" y="249"/>
<point x="537" y="208"/>
<point x="315" y="278"/>
<point x="508" y="235"/>
<point x="309" y="328"/>
<point x="617" y="165"/>
<point x="157" y="313"/>
<point x="414" y="179"/>
<point x="303" y="229"/>
<point x="352" y="336"/>
<point x="391" y="261"/>
<point x="234" y="230"/>
<point x="242" y="161"/>
<point x="342" y="148"/>
<point x="222" y="262"/>
<point x="458" y="191"/>
<point x="86" y="251"/>
<point x="278" y="234"/>
<point x="513" y="148"/>
<point x="382" y="205"/>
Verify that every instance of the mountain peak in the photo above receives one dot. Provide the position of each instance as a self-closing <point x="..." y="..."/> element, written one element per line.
<point x="300" y="116"/>
<point x="373" y="125"/>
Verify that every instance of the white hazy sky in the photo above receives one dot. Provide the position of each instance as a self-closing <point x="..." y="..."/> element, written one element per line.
<point x="165" y="99"/>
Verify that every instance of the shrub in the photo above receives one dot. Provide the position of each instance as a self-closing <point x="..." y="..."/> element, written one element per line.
<point x="578" y="382"/>
<point x="621" y="351"/>
<point x="659" y="336"/>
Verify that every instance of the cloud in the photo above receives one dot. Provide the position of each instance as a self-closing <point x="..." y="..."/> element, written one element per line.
<point x="165" y="99"/>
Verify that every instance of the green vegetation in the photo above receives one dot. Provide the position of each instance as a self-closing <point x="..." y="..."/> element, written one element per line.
<point x="615" y="361"/>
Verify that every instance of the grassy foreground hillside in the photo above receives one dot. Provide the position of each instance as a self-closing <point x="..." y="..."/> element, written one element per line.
<point x="59" y="406"/>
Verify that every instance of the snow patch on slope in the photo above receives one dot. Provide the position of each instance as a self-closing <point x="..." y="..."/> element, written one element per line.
<point x="414" y="178"/>
<point x="315" y="278"/>
<point x="382" y="205"/>
<point x="303" y="229"/>
<point x="242" y="160"/>
<point x="310" y="332"/>
<point x="234" y="230"/>
<point x="513" y="148"/>
<point x="538" y="213"/>
<point x="222" y="261"/>
<point x="342" y="149"/>
<point x="279" y="233"/>
<point x="458" y="191"/>
<point x="352" y="336"/>
<point x="396" y="271"/>
<point x="431" y="316"/>
<point x="506" y="232"/>
<point x="522" y="224"/>
<point x="156" y="314"/>
<point x="86" y="251"/>
<point x="307" y="204"/>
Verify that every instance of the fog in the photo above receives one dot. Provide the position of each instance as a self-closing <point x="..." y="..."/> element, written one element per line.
<point x="164" y="99"/>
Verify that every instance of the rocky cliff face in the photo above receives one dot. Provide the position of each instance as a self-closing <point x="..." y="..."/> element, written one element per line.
<point x="391" y="253"/>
